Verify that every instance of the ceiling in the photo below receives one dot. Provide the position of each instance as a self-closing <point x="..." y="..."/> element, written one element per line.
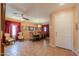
<point x="36" y="12"/>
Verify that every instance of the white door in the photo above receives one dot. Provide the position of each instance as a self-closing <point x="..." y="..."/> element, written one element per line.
<point x="63" y="29"/>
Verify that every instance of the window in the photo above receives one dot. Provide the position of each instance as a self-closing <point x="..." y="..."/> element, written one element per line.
<point x="45" y="29"/>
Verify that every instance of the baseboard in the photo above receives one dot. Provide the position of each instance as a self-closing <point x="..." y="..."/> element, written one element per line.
<point x="77" y="53"/>
<point x="63" y="48"/>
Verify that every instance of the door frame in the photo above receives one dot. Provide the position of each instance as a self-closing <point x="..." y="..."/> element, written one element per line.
<point x="3" y="9"/>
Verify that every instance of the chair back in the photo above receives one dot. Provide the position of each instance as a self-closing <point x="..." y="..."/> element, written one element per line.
<point x="20" y="35"/>
<point x="7" y="36"/>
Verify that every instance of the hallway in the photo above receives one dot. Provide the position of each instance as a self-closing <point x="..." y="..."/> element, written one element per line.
<point x="25" y="24"/>
<point x="39" y="48"/>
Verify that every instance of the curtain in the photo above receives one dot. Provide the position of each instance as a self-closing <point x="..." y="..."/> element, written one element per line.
<point x="8" y="27"/>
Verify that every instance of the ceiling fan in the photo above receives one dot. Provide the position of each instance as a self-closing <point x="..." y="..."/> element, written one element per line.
<point x="22" y="15"/>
